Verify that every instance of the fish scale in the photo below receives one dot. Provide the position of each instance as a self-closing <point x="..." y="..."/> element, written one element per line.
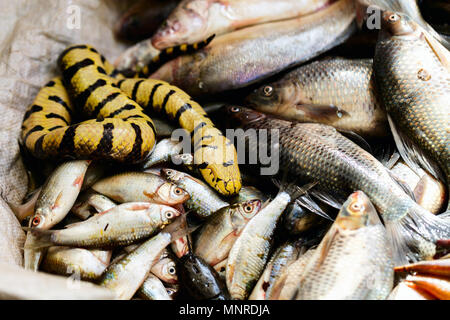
<point x="317" y="152"/>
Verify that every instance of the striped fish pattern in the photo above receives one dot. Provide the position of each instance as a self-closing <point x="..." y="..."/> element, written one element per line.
<point x="118" y="129"/>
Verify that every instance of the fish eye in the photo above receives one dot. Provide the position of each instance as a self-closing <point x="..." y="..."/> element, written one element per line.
<point x="356" y="206"/>
<point x="169" y="215"/>
<point x="178" y="191"/>
<point x="235" y="109"/>
<point x="268" y="91"/>
<point x="248" y="208"/>
<point x="393" y="18"/>
<point x="36" y="221"/>
<point x="169" y="172"/>
<point x="172" y="270"/>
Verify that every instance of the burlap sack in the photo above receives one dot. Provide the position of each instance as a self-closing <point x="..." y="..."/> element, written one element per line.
<point x="33" y="34"/>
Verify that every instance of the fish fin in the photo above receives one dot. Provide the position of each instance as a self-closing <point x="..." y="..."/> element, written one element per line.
<point x="292" y="189"/>
<point x="179" y="228"/>
<point x="412" y="155"/>
<point x="409" y="234"/>
<point x="321" y="112"/>
<point x="441" y="52"/>
<point x="308" y="203"/>
<point x="403" y="185"/>
<point x="42" y="238"/>
<point x="387" y="154"/>
<point x="329" y="198"/>
<point x="356" y="138"/>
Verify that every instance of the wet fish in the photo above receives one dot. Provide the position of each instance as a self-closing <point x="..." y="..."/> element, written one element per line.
<point x="218" y="234"/>
<point x="165" y="269"/>
<point x="140" y="186"/>
<point x="195" y="20"/>
<point x="237" y="59"/>
<point x="336" y="91"/>
<point x="199" y="279"/>
<point x="354" y="259"/>
<point x="127" y="275"/>
<point x="75" y="262"/>
<point x="163" y="151"/>
<point x="250" y="251"/>
<point x="318" y="152"/>
<point x="153" y="289"/>
<point x="143" y="18"/>
<point x="121" y="225"/>
<point x="58" y="194"/>
<point x="413" y="74"/>
<point x="91" y="202"/>
<point x="281" y="258"/>
<point x="203" y="200"/>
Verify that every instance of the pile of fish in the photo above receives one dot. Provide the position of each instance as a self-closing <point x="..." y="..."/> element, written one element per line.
<point x="359" y="207"/>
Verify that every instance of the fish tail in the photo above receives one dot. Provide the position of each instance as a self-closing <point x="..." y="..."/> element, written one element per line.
<point x="414" y="236"/>
<point x="41" y="238"/>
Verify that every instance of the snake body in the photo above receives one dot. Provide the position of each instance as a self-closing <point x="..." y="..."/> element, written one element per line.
<point x="116" y="126"/>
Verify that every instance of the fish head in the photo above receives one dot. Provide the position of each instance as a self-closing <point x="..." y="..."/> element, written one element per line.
<point x="249" y="208"/>
<point x="166" y="270"/>
<point x="187" y="22"/>
<point x="39" y="219"/>
<point x="272" y="97"/>
<point x="240" y="116"/>
<point x="168" y="214"/>
<point x="172" y="175"/>
<point x="171" y="194"/>
<point x="396" y="25"/>
<point x="357" y="212"/>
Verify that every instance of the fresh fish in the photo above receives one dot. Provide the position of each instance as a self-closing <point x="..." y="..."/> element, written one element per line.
<point x="203" y="200"/>
<point x="250" y="251"/>
<point x="120" y="225"/>
<point x="195" y="20"/>
<point x="338" y="92"/>
<point x="437" y="286"/>
<point x="240" y="58"/>
<point x="199" y="279"/>
<point x="413" y="74"/>
<point x="409" y="291"/>
<point x="318" y="152"/>
<point x="286" y="285"/>
<point x="163" y="151"/>
<point x="440" y="267"/>
<point x="153" y="289"/>
<point x="354" y="259"/>
<point x="165" y="269"/>
<point x="56" y="198"/>
<point x="76" y="262"/>
<point x="140" y="186"/>
<point x="143" y="18"/>
<point x="58" y="194"/>
<point x="218" y="234"/>
<point x="282" y="257"/>
<point x="127" y="275"/>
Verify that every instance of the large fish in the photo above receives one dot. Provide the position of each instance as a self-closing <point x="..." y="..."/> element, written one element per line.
<point x="338" y="92"/>
<point x="240" y="58"/>
<point x="318" y="152"/>
<point x="354" y="259"/>
<point x="195" y="20"/>
<point x="412" y="71"/>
